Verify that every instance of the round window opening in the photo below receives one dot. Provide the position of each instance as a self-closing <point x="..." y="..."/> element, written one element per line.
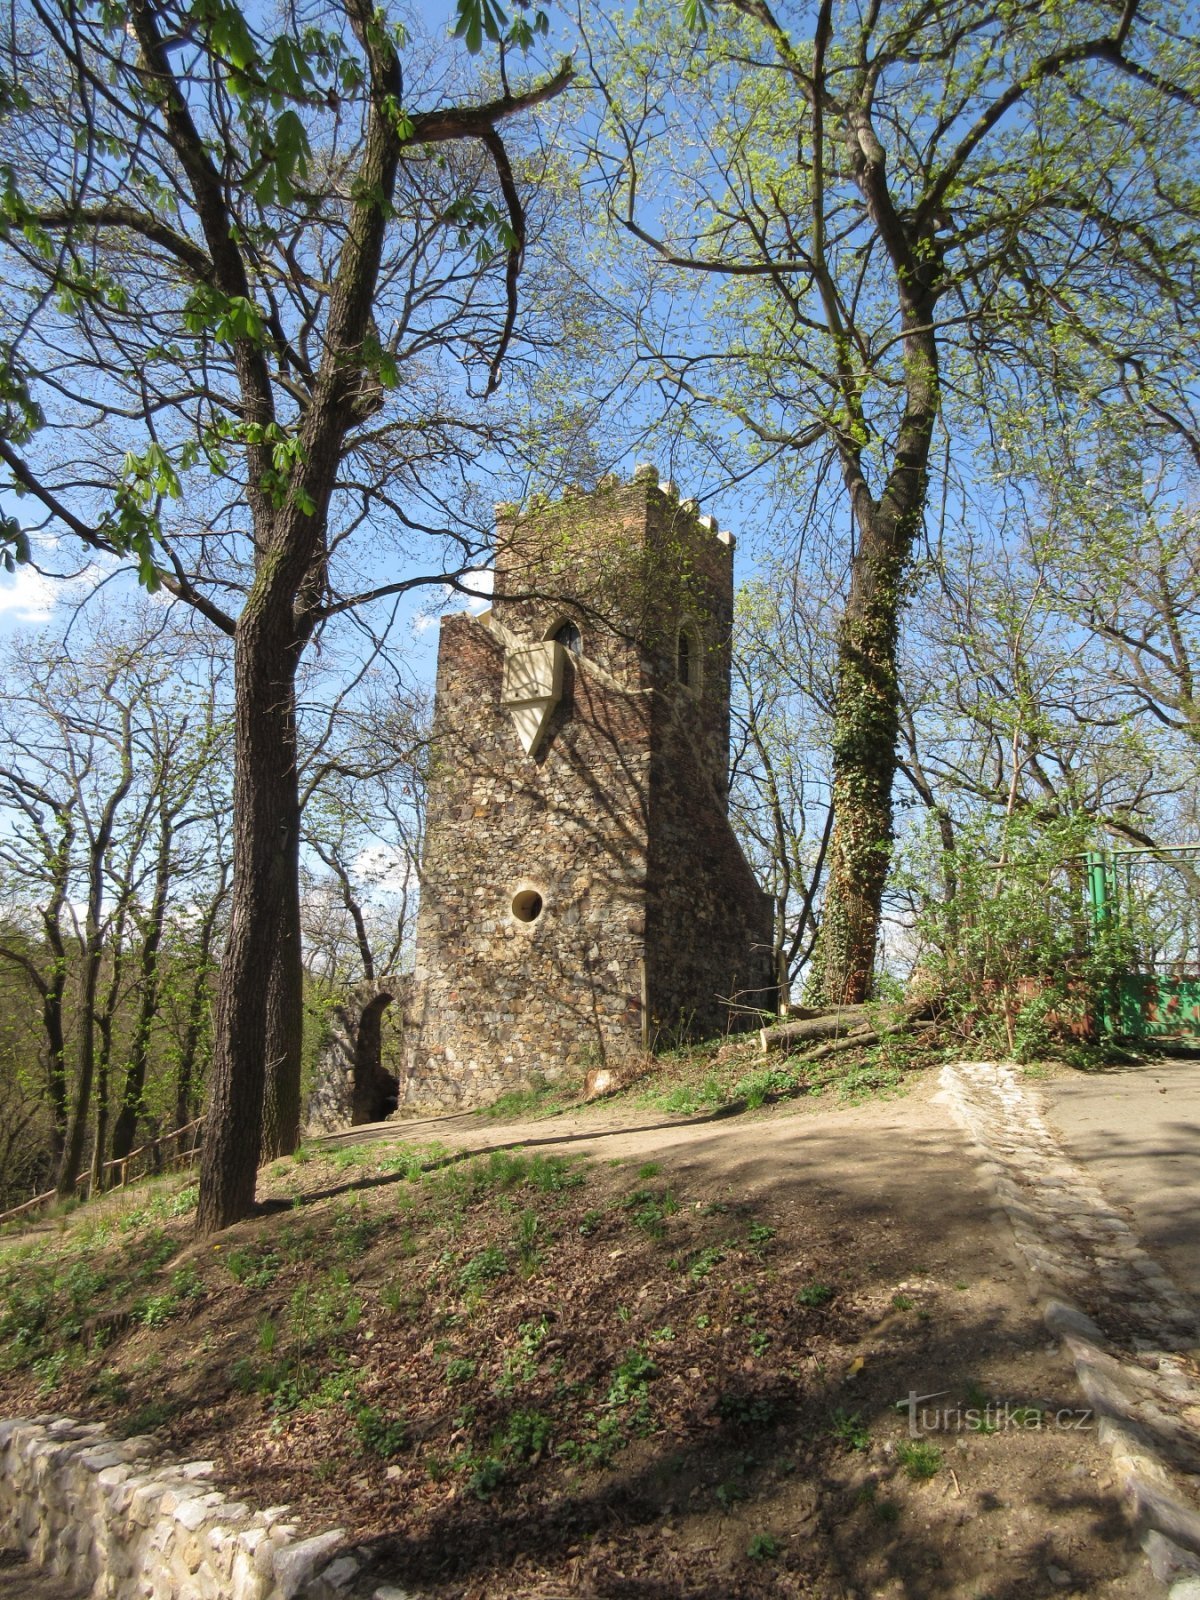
<point x="527" y="905"/>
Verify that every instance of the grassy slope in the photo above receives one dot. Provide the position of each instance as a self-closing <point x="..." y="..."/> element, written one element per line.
<point x="526" y="1374"/>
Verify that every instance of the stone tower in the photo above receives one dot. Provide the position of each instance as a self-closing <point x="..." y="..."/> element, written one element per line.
<point x="583" y="896"/>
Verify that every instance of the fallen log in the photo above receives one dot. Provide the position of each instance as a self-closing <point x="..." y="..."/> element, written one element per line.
<point x="824" y="1025"/>
<point x="849" y="1022"/>
<point x="866" y="1037"/>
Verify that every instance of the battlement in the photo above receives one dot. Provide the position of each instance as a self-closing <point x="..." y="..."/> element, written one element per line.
<point x="509" y="514"/>
<point x="629" y="555"/>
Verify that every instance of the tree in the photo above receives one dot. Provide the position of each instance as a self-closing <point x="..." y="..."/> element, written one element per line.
<point x="903" y="209"/>
<point x="779" y="790"/>
<point x="179" y="741"/>
<point x="255" y="291"/>
<point x="106" y="732"/>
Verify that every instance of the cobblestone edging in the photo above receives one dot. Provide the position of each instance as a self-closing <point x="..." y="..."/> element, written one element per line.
<point x="110" y="1520"/>
<point x="1130" y="1351"/>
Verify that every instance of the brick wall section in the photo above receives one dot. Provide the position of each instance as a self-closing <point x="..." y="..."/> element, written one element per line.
<point x="617" y="820"/>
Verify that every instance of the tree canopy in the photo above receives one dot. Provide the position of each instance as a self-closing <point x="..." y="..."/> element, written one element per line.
<point x="258" y="277"/>
<point x="898" y="224"/>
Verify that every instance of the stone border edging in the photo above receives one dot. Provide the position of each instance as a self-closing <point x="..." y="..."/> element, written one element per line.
<point x="1069" y="1235"/>
<point x="106" y="1517"/>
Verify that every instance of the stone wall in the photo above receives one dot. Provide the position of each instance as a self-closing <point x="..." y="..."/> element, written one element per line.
<point x="583" y="895"/>
<point x="497" y="1000"/>
<point x="350" y="1085"/>
<point x="114" y="1523"/>
<point x="708" y="923"/>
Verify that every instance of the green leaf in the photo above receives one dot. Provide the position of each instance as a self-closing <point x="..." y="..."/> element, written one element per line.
<point x="478" y="20"/>
<point x="15" y="543"/>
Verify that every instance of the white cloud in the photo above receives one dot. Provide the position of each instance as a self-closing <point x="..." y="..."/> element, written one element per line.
<point x="481" y="584"/>
<point x="27" y="595"/>
<point x="475" y="587"/>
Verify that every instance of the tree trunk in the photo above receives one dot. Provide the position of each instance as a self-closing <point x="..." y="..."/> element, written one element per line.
<point x="866" y="711"/>
<point x="185" y="1077"/>
<point x="73" y="1154"/>
<point x="865" y="728"/>
<point x="100" y="1142"/>
<point x="56" y="1058"/>
<point x="285" y="1007"/>
<point x="806" y="1027"/>
<point x="104" y="1022"/>
<point x="125" y="1127"/>
<point x="93" y="954"/>
<point x="53" y="994"/>
<point x="263" y="859"/>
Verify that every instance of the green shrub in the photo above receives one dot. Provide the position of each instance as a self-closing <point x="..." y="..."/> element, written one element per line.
<point x="814" y="1294"/>
<point x="525" y="1434"/>
<point x="378" y="1433"/>
<point x="848" y="1428"/>
<point x="488" y="1264"/>
<point x="919" y="1460"/>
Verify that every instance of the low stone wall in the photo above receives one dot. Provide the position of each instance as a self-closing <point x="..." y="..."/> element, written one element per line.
<point x="114" y="1523"/>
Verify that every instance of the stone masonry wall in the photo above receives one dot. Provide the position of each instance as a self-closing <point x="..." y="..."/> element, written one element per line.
<point x="708" y="924"/>
<point x="115" y="1523"/>
<point x="496" y="1000"/>
<point x="617" y="820"/>
<point x="346" y="1088"/>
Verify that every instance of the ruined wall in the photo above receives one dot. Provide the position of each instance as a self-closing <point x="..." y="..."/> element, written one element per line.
<point x="500" y="999"/>
<point x="605" y="815"/>
<point x="350" y="1085"/>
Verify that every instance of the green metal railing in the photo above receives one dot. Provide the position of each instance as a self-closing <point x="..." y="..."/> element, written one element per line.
<point x="1156" y="999"/>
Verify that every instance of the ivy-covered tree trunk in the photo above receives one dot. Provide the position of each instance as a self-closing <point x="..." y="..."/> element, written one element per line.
<point x="866" y="716"/>
<point x="865" y="723"/>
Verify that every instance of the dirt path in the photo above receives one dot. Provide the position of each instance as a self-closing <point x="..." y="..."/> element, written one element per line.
<point x="1137" y="1131"/>
<point x="1131" y="1332"/>
<point x="892" y="1191"/>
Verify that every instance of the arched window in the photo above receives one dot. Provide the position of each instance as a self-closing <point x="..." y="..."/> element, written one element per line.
<point x="570" y="638"/>
<point x="684" y="658"/>
<point x="689" y="663"/>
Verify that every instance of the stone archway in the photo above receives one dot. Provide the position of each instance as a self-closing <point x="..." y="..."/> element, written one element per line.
<point x="350" y="1084"/>
<point x="375" y="1092"/>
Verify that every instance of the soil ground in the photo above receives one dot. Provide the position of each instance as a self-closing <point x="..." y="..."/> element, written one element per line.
<point x="21" y="1581"/>
<point x="649" y="1357"/>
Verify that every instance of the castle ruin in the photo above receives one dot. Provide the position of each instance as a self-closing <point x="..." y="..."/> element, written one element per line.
<point x="583" y="897"/>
